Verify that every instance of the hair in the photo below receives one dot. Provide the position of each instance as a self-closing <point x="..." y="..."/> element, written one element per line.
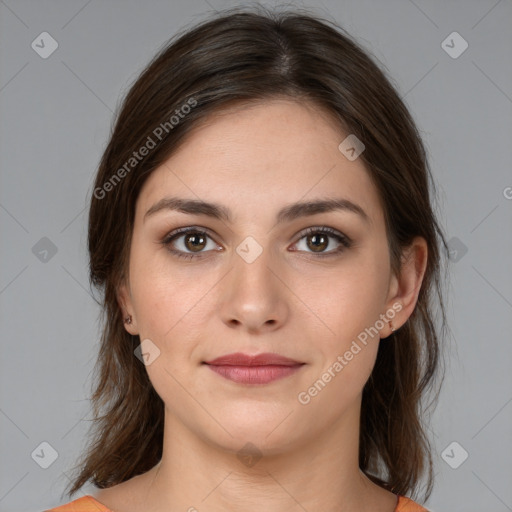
<point x="241" y="56"/>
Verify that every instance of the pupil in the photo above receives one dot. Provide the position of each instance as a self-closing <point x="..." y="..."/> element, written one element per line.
<point x="318" y="242"/>
<point x="197" y="241"/>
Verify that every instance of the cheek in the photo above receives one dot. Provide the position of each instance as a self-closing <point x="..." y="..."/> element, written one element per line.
<point x="350" y="305"/>
<point x="164" y="305"/>
<point x="151" y="285"/>
<point x="155" y="301"/>
<point x="350" y="300"/>
<point x="170" y="300"/>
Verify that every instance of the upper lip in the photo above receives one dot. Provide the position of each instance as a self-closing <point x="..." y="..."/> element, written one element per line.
<point x="265" y="359"/>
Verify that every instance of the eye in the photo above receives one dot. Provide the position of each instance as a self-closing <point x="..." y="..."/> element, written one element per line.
<point x="189" y="242"/>
<point x="318" y="239"/>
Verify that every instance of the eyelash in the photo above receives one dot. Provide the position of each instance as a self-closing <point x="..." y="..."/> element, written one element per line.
<point x="345" y="241"/>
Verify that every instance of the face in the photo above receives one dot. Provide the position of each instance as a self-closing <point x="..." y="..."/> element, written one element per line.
<point x="259" y="274"/>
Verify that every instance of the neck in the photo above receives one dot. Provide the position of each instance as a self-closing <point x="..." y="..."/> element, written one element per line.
<point x="323" y="474"/>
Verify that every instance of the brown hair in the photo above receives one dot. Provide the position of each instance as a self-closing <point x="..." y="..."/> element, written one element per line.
<point x="239" y="56"/>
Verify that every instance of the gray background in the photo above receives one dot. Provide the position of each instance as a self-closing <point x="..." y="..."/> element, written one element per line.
<point x="55" y="120"/>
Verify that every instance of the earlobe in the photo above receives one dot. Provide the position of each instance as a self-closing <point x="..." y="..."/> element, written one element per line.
<point x="392" y="321"/>
<point x="124" y="302"/>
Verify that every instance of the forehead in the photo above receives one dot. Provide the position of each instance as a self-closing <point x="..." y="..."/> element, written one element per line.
<point x="268" y="154"/>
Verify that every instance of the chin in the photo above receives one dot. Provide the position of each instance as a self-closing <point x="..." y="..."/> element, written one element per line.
<point x="265" y="426"/>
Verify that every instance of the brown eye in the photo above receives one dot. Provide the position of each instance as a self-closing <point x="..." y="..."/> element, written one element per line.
<point x="195" y="241"/>
<point x="189" y="243"/>
<point x="323" y="242"/>
<point x="317" y="242"/>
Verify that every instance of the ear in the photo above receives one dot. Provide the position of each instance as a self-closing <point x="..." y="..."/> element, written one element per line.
<point x="405" y="287"/>
<point x="125" y="303"/>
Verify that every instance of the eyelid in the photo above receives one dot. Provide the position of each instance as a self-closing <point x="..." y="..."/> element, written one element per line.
<point x="187" y="229"/>
<point x="327" y="230"/>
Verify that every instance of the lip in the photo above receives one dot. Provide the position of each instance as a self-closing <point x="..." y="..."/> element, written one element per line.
<point x="257" y="369"/>
<point x="265" y="359"/>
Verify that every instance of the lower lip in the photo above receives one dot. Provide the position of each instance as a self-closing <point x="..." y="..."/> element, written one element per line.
<point x="254" y="374"/>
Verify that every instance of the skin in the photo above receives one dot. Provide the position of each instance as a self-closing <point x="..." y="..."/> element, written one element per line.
<point x="255" y="160"/>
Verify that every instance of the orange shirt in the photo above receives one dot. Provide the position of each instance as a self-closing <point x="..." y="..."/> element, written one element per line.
<point x="89" y="504"/>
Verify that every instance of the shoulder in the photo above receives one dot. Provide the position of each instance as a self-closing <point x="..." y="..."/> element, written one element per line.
<point x="407" y="505"/>
<point x="84" y="504"/>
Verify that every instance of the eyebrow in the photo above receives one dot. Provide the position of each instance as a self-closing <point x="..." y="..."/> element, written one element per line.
<point x="286" y="214"/>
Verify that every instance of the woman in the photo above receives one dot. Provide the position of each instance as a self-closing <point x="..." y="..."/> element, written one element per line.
<point x="262" y="230"/>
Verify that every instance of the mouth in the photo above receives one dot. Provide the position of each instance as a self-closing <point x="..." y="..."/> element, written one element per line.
<point x="258" y="369"/>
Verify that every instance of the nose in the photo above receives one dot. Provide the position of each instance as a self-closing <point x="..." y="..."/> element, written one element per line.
<point x="254" y="297"/>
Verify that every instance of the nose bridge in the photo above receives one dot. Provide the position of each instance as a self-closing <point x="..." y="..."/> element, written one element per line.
<point x="252" y="268"/>
<point x="253" y="297"/>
